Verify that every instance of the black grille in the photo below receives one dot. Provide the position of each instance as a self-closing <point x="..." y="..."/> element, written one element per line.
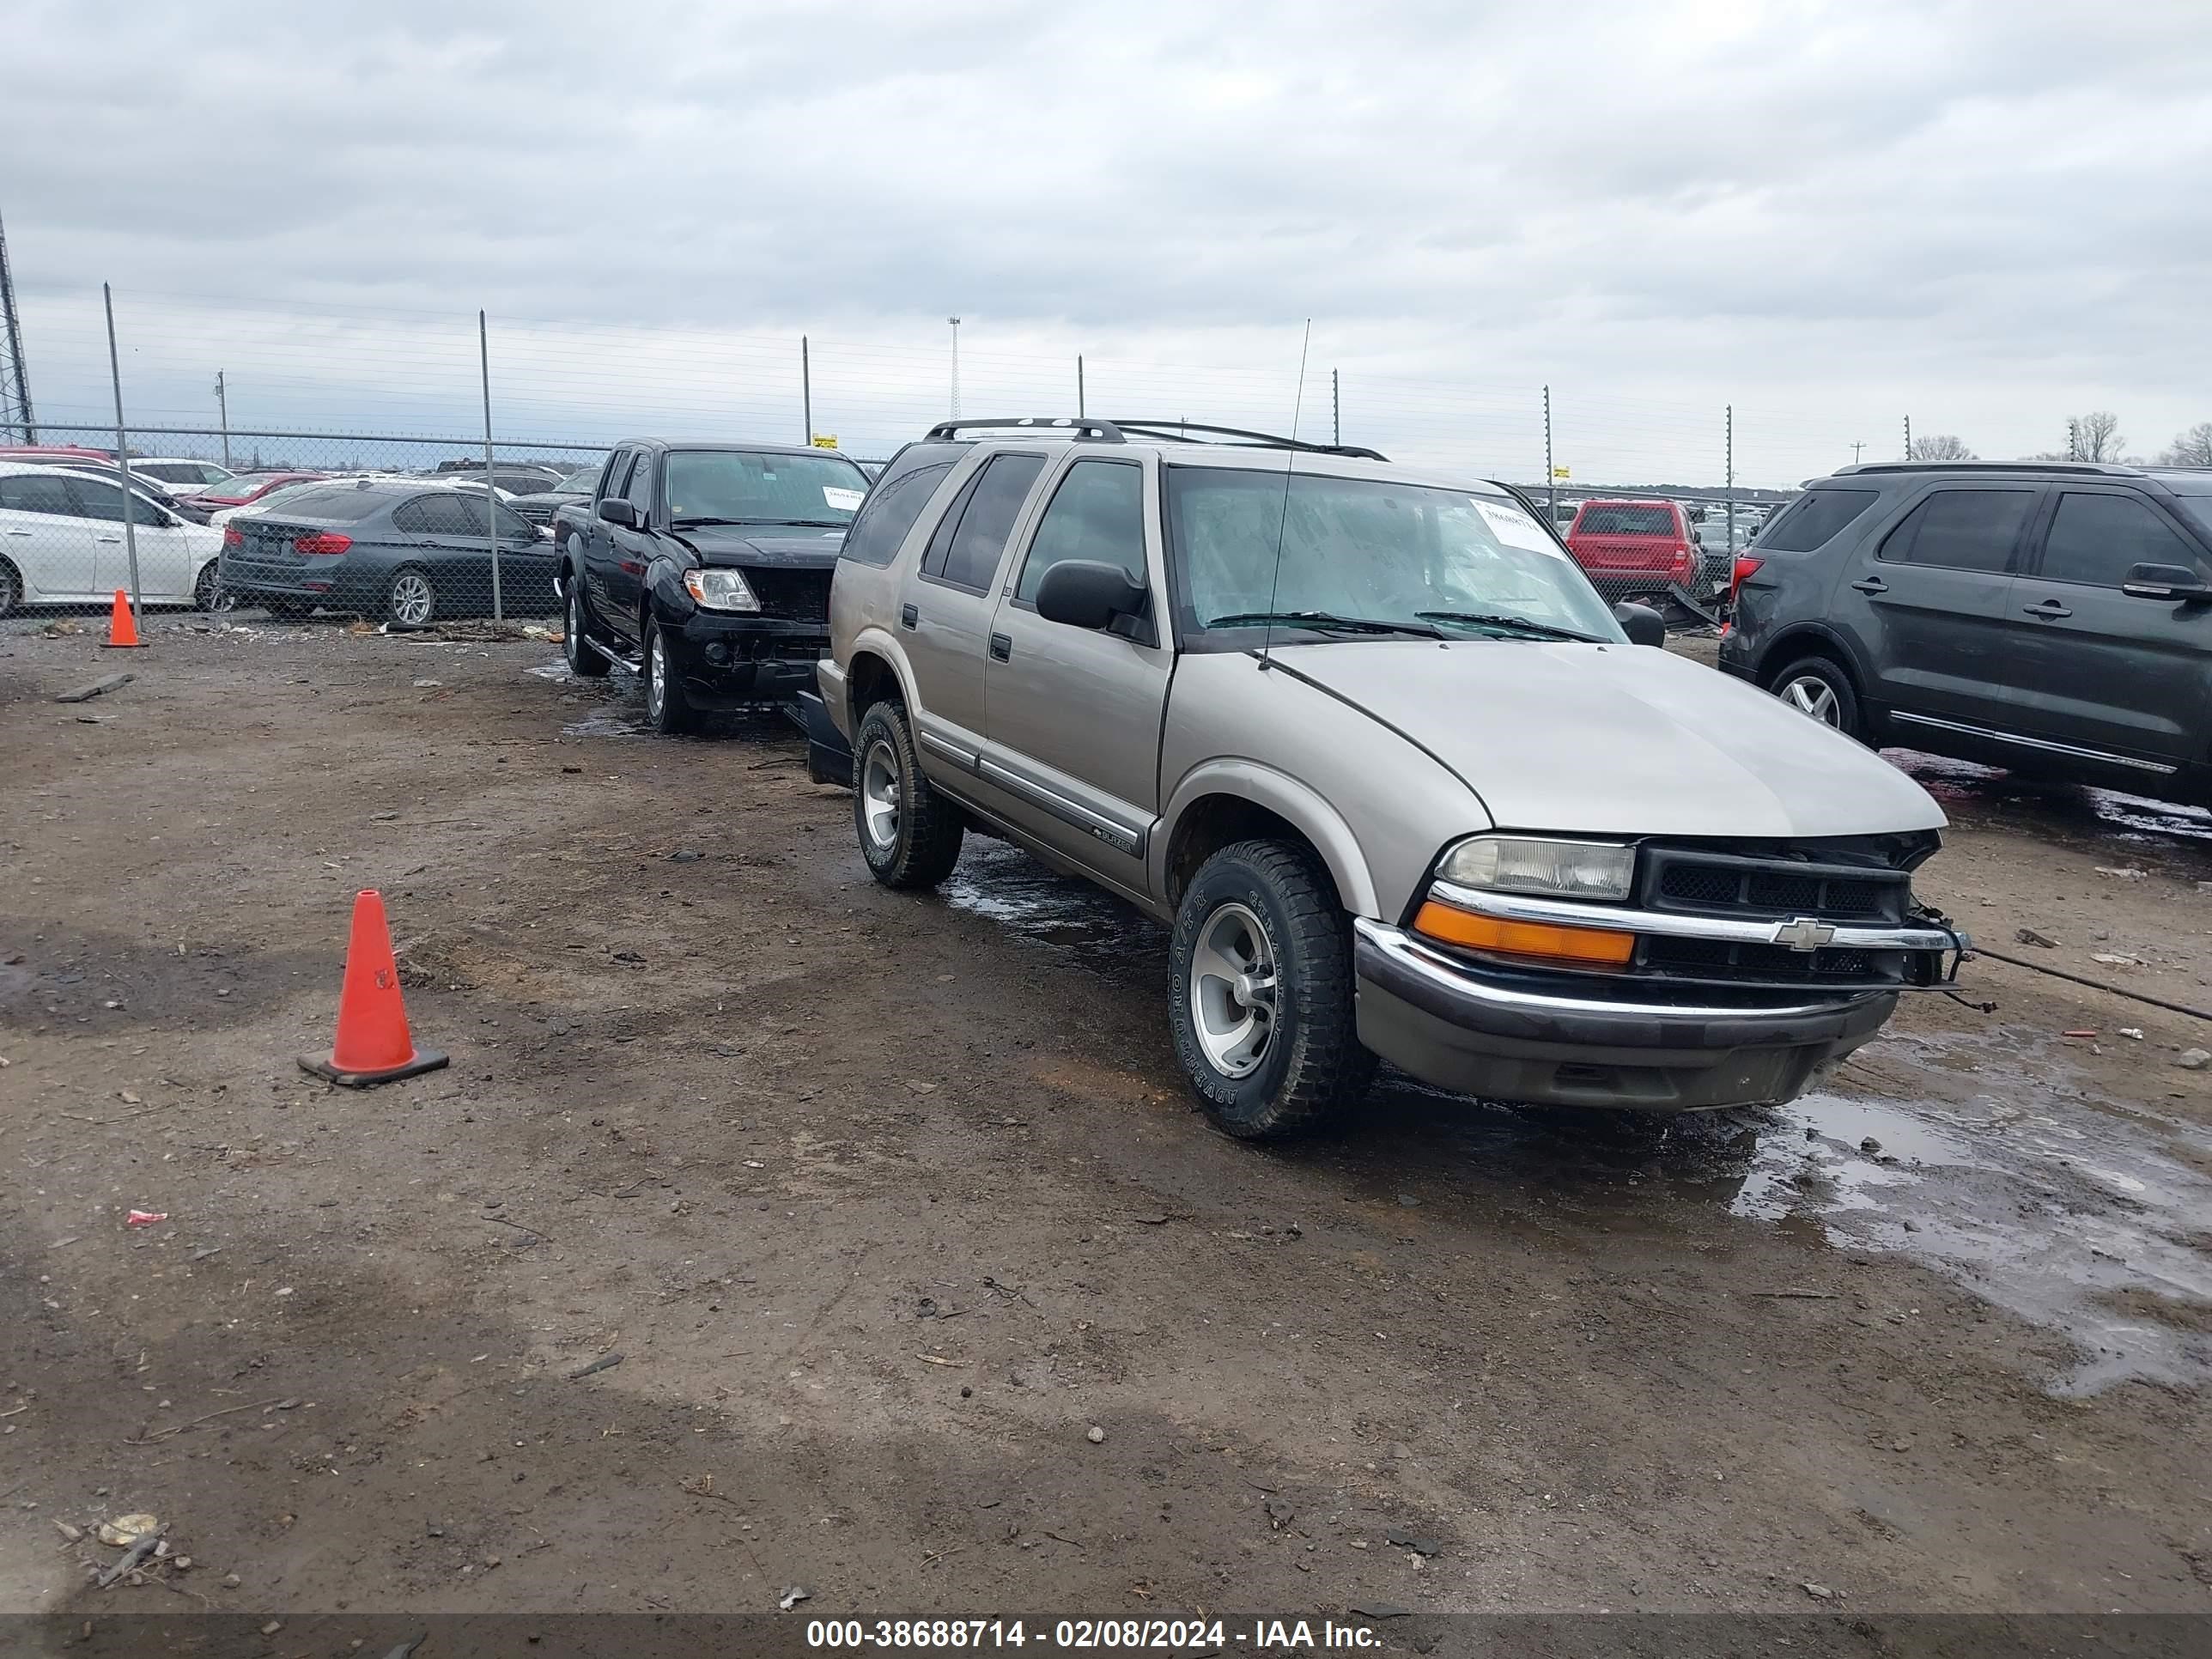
<point x="1704" y="958"/>
<point x="792" y="595"/>
<point x="1727" y="884"/>
<point x="537" y="512"/>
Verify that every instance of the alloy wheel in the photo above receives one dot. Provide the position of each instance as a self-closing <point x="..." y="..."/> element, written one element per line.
<point x="412" y="599"/>
<point x="1233" y="991"/>
<point x="656" y="675"/>
<point x="1811" y="696"/>
<point x="880" y="790"/>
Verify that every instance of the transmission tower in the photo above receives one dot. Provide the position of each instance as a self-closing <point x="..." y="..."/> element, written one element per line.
<point x="14" y="385"/>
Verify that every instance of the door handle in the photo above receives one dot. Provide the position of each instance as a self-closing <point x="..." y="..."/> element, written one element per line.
<point x="1871" y="585"/>
<point x="1002" y="648"/>
<point x="109" y="541"/>
<point x="19" y="532"/>
<point x="2049" y="610"/>
<point x="908" y="616"/>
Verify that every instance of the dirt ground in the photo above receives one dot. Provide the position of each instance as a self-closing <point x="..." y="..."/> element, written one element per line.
<point x="885" y="1202"/>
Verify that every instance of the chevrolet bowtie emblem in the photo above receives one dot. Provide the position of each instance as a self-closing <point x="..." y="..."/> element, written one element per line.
<point x="1803" y="933"/>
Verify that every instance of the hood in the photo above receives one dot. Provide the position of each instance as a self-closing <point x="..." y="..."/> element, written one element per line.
<point x="768" y="546"/>
<point x="1618" y="739"/>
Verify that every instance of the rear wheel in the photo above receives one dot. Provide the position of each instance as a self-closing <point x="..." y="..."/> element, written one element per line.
<point x="666" y="709"/>
<point x="410" y="599"/>
<point x="909" y="834"/>
<point x="1260" y="993"/>
<point x="584" y="662"/>
<point x="207" y="589"/>
<point x="1818" y="687"/>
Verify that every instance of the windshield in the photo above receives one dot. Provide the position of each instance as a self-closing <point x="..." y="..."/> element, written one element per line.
<point x="584" y="481"/>
<point x="748" y="486"/>
<point x="1369" y="551"/>
<point x="245" y="483"/>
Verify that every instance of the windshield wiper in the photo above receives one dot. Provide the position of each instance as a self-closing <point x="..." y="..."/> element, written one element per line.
<point x="1323" y="620"/>
<point x="1533" y="630"/>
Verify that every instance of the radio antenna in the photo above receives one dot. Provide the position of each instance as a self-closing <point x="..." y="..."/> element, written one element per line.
<point x="1282" y="520"/>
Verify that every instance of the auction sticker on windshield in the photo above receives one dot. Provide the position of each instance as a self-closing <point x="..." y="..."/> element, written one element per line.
<point x="845" y="501"/>
<point x="1514" y="527"/>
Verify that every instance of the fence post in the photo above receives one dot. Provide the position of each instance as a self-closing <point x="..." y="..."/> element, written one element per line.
<point x="491" y="498"/>
<point x="222" y="408"/>
<point x="1731" y="491"/>
<point x="1908" y="437"/>
<point x="807" y="388"/>
<point x="1335" y="407"/>
<point x="122" y="454"/>
<point x="1550" y="472"/>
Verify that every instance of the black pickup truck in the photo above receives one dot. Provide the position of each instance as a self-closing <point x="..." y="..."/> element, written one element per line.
<point x="705" y="568"/>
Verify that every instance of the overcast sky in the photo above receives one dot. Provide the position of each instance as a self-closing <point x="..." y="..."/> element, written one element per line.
<point x="1984" y="216"/>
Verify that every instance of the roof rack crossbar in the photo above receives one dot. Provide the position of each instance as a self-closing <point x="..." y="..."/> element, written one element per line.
<point x="1180" y="429"/>
<point x="1080" y="426"/>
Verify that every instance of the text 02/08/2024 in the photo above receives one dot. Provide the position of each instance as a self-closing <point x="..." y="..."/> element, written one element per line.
<point x="1072" y="1635"/>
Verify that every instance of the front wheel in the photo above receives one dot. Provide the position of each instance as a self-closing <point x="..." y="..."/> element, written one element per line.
<point x="1260" y="993"/>
<point x="1818" y="687"/>
<point x="666" y="709"/>
<point x="410" y="600"/>
<point x="909" y="834"/>
<point x="11" y="588"/>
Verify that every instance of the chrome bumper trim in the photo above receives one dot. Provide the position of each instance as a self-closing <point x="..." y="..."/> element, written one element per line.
<point x="1576" y="912"/>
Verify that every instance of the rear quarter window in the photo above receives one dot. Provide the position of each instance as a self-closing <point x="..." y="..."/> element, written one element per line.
<point x="894" y="503"/>
<point x="1812" y="521"/>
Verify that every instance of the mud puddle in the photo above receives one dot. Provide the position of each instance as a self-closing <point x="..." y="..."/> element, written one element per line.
<point x="2084" y="810"/>
<point x="1004" y="886"/>
<point x="2090" y="1221"/>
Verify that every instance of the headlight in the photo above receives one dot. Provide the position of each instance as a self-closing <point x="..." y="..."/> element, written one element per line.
<point x="1566" y="869"/>
<point x="720" y="590"/>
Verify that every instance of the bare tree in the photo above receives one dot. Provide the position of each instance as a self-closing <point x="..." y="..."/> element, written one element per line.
<point x="2097" y="436"/>
<point x="1942" y="446"/>
<point x="2191" y="448"/>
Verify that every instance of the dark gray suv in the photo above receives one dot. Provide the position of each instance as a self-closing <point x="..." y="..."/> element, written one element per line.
<point x="2049" y="617"/>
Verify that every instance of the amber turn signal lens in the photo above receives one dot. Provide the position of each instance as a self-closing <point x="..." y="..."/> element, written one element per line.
<point x="1595" y="947"/>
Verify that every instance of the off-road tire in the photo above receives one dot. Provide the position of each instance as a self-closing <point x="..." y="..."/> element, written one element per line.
<point x="1314" y="1067"/>
<point x="584" y="661"/>
<point x="925" y="845"/>
<point x="1826" y="672"/>
<point x="667" y="710"/>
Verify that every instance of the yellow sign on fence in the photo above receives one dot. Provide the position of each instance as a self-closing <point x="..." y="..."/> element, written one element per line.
<point x="1557" y="471"/>
<point x="825" y="440"/>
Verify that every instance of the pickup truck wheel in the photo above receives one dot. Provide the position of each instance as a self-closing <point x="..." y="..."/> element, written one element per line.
<point x="667" y="710"/>
<point x="1819" y="687"/>
<point x="1260" y="993"/>
<point x="584" y="662"/>
<point x="910" y="834"/>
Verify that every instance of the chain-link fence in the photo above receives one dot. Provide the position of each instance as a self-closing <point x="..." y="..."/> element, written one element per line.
<point x="299" y="459"/>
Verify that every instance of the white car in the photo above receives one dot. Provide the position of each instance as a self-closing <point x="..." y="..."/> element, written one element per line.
<point x="177" y="477"/>
<point x="62" y="543"/>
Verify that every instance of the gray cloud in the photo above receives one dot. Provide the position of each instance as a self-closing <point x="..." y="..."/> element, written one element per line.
<point x="1833" y="216"/>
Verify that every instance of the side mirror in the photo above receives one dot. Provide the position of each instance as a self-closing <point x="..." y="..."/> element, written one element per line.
<point x="615" y="510"/>
<point x="1085" y="594"/>
<point x="2166" y="581"/>
<point x="1643" y="625"/>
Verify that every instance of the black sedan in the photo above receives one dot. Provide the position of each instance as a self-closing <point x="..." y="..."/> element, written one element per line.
<point x="403" y="551"/>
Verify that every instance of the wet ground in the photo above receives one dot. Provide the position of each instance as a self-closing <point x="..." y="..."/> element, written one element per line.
<point x="885" y="1202"/>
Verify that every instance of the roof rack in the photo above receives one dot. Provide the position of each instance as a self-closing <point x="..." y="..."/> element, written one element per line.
<point x="1172" y="429"/>
<point x="2107" y="468"/>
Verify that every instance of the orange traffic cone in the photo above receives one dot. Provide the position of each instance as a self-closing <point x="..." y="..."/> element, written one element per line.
<point x="373" y="1044"/>
<point x="122" y="626"/>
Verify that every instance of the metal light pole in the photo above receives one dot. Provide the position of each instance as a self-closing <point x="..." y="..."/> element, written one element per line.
<point x="491" y="499"/>
<point x="807" y="388"/>
<point x="955" y="321"/>
<point x="1079" y="410"/>
<point x="222" y="408"/>
<point x="1335" y="408"/>
<point x="123" y="455"/>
